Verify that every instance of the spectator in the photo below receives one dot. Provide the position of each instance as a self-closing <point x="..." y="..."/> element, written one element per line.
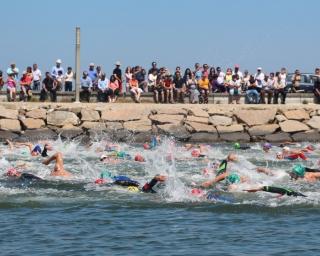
<point x="141" y="77"/>
<point x="259" y="77"/>
<point x="191" y="83"/>
<point x="296" y="79"/>
<point x="197" y="71"/>
<point x="59" y="80"/>
<point x="11" y="87"/>
<point x="48" y="86"/>
<point x="86" y="86"/>
<point x="245" y="80"/>
<point x="252" y="94"/>
<point x="168" y="89"/>
<point x="228" y="78"/>
<point x="68" y="79"/>
<point x="187" y="74"/>
<point x="158" y="88"/>
<point x="279" y="88"/>
<point x="103" y="88"/>
<point x="213" y="79"/>
<point x="134" y="89"/>
<point x="237" y="71"/>
<point x="117" y="72"/>
<point x="153" y="68"/>
<point x="55" y="70"/>
<point x="92" y="73"/>
<point x="13" y="70"/>
<point x="128" y="76"/>
<point x="152" y="79"/>
<point x="25" y="85"/>
<point x="220" y="80"/>
<point x="234" y="89"/>
<point x="179" y="87"/>
<point x="114" y="89"/>
<point x="1" y="80"/>
<point x="205" y="69"/>
<point x="203" y="84"/>
<point x="36" y="72"/>
<point x="316" y="86"/>
<point x="269" y="89"/>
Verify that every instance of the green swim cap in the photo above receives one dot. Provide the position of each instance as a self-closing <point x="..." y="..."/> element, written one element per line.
<point x="105" y="175"/>
<point x="121" y="154"/>
<point x="299" y="170"/>
<point x="236" y="145"/>
<point x="233" y="178"/>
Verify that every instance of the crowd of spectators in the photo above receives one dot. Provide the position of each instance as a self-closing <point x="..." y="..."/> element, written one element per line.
<point x="195" y="85"/>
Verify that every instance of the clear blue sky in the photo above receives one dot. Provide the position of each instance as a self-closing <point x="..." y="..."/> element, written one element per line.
<point x="267" y="33"/>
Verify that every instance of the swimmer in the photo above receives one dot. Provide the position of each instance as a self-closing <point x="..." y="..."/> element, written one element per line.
<point x="34" y="150"/>
<point x="277" y="190"/>
<point x="288" y="154"/>
<point x="266" y="147"/>
<point x="155" y="140"/>
<point x="13" y="173"/>
<point x="199" y="153"/>
<point x="115" y="156"/>
<point x="307" y="174"/>
<point x="224" y="163"/>
<point x="241" y="147"/>
<point x="58" y="169"/>
<point x="139" y="158"/>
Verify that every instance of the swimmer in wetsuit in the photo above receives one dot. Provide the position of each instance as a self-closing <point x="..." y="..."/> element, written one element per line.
<point x="58" y="169"/>
<point x="305" y="173"/>
<point x="276" y="190"/>
<point x="34" y="150"/>
<point x="23" y="176"/>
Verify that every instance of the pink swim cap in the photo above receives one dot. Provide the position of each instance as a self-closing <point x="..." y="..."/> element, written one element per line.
<point x="139" y="158"/>
<point x="195" y="153"/>
<point x="146" y="146"/>
<point x="12" y="172"/>
<point x="197" y="192"/>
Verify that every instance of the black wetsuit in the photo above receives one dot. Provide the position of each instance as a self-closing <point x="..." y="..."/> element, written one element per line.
<point x="147" y="188"/>
<point x="222" y="167"/>
<point x="282" y="191"/>
<point x="311" y="170"/>
<point x="44" y="152"/>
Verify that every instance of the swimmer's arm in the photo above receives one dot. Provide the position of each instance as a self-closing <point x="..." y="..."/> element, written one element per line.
<point x="10" y="144"/>
<point x="264" y="170"/>
<point x="160" y="178"/>
<point x="253" y="190"/>
<point x="215" y="180"/>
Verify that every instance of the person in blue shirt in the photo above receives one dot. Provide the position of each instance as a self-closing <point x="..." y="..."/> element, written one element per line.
<point x="92" y="73"/>
<point x="86" y="86"/>
<point x="103" y="88"/>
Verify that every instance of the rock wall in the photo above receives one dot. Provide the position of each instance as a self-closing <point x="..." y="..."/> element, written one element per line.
<point x="138" y="122"/>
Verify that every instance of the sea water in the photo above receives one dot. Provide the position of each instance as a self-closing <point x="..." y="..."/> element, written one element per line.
<point x="77" y="217"/>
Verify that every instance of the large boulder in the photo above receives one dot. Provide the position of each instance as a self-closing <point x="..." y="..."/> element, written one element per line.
<point x="62" y="118"/>
<point x="90" y="115"/>
<point x="138" y="126"/>
<point x="166" y="119"/>
<point x="93" y="125"/>
<point x="293" y="126"/>
<point x="307" y="136"/>
<point x="196" y="111"/>
<point x="120" y="115"/>
<point x="203" y="137"/>
<point x="32" y="123"/>
<point x="8" y="113"/>
<point x="70" y="131"/>
<point x="200" y="127"/>
<point x="281" y="118"/>
<point x="298" y="114"/>
<point x="214" y="111"/>
<point x="39" y="113"/>
<point x="314" y="122"/>
<point x="169" y="111"/>
<point x="278" y="137"/>
<point x="10" y="125"/>
<point x="197" y="119"/>
<point x="235" y="136"/>
<point x="39" y="134"/>
<point x="256" y="116"/>
<point x="220" y="120"/>
<point x="230" y="129"/>
<point x="177" y="131"/>
<point x="260" y="130"/>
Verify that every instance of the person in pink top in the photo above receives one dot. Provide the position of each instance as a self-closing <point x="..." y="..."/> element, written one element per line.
<point x="11" y="88"/>
<point x="113" y="89"/>
<point x="25" y="84"/>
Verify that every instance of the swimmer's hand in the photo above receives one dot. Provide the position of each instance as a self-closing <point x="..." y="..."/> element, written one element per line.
<point x="206" y="184"/>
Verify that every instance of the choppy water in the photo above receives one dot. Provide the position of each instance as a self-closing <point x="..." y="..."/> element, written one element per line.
<point x="77" y="217"/>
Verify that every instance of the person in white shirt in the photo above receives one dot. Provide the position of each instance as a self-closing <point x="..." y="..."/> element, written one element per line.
<point x="220" y="80"/>
<point x="237" y="71"/>
<point x="269" y="89"/>
<point x="36" y="72"/>
<point x="152" y="79"/>
<point x="57" y="68"/>
<point x="234" y="89"/>
<point x="283" y="76"/>
<point x="103" y="88"/>
<point x="259" y="77"/>
<point x="68" y="79"/>
<point x="279" y="89"/>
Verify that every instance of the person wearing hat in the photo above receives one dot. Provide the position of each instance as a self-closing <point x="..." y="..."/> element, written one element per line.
<point x="55" y="70"/>
<point x="259" y="78"/>
<point x="86" y="86"/>
<point x="117" y="72"/>
<point x="237" y="71"/>
<point x="92" y="73"/>
<point x="301" y="172"/>
<point x="13" y="71"/>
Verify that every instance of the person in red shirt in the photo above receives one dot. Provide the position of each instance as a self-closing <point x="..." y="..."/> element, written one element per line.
<point x="168" y="89"/>
<point x="114" y="89"/>
<point x="134" y="89"/>
<point x="25" y="84"/>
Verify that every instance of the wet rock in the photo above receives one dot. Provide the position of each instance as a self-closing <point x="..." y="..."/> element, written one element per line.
<point x="40" y="134"/>
<point x="37" y="113"/>
<point x="10" y="125"/>
<point x="260" y="130"/>
<point x="255" y="116"/>
<point x="114" y="126"/>
<point x="278" y="137"/>
<point x="311" y="136"/>
<point x="70" y="131"/>
<point x="203" y="137"/>
<point x="298" y="114"/>
<point x="31" y="123"/>
<point x="220" y="120"/>
<point x="293" y="126"/>
<point x="235" y="136"/>
<point x="62" y="118"/>
<point x="177" y="131"/>
<point x="93" y="125"/>
<point x="138" y="126"/>
<point x="8" y="135"/>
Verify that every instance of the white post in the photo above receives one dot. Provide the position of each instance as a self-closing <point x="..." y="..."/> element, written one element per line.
<point x="77" y="68"/>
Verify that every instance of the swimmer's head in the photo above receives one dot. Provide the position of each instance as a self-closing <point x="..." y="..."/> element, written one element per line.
<point x="105" y="175"/>
<point x="298" y="171"/>
<point x="121" y="154"/>
<point x="36" y="151"/>
<point x="146" y="146"/>
<point x="48" y="147"/>
<point x="266" y="147"/>
<point x="139" y="158"/>
<point x="286" y="149"/>
<point x="195" y="153"/>
<point x="233" y="178"/>
<point x="232" y="157"/>
<point x="12" y="172"/>
<point x="279" y="155"/>
<point x="236" y="145"/>
<point x="103" y="157"/>
<point x="310" y="148"/>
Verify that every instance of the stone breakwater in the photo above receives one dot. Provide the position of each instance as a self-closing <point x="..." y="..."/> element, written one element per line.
<point x="138" y="122"/>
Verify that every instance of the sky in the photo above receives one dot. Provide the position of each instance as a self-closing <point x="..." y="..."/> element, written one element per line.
<point x="252" y="33"/>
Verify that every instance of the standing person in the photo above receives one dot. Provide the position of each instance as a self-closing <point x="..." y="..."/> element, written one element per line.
<point x="36" y="72"/>
<point x="11" y="87"/>
<point x="197" y="71"/>
<point x="114" y="89"/>
<point x="228" y="78"/>
<point x="296" y="79"/>
<point x="234" y="89"/>
<point x="283" y="76"/>
<point x="103" y="88"/>
<point x="259" y="77"/>
<point x="56" y="69"/>
<point x="203" y="85"/>
<point x="220" y="80"/>
<point x="117" y="72"/>
<point x="1" y="80"/>
<point x="269" y="89"/>
<point x="213" y="79"/>
<point x="179" y="87"/>
<point x="25" y="84"/>
<point x="48" y="84"/>
<point x="59" y="80"/>
<point x="316" y="86"/>
<point x="153" y="68"/>
<point x="279" y="88"/>
<point x="92" y="73"/>
<point x="128" y="76"/>
<point x="191" y="83"/>
<point x="134" y="89"/>
<point x="86" y="86"/>
<point x="68" y="79"/>
<point x="13" y="70"/>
